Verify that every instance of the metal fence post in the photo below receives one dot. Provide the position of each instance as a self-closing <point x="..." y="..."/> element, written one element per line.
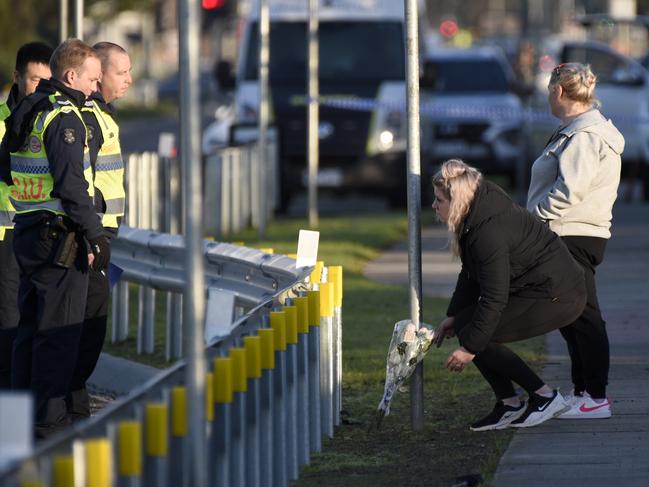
<point x="326" y="365"/>
<point x="174" y="343"/>
<point x="267" y="413"/>
<point x="280" y="472"/>
<point x="178" y="468"/>
<point x="252" y="345"/>
<point x="291" y="392"/>
<point x="237" y="450"/>
<point x="303" y="406"/>
<point x="315" y="433"/>
<point x="156" y="444"/>
<point x="336" y="278"/>
<point x="220" y="441"/>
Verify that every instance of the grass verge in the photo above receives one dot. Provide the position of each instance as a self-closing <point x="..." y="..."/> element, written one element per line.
<point x="394" y="455"/>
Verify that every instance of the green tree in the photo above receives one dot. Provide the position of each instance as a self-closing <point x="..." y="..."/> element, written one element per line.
<point x="24" y="21"/>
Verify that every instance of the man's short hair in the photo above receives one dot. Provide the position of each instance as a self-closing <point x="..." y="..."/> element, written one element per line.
<point x="32" y="52"/>
<point x="70" y="54"/>
<point x="104" y="49"/>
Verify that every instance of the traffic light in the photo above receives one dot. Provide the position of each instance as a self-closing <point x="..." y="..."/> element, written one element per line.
<point x="216" y="9"/>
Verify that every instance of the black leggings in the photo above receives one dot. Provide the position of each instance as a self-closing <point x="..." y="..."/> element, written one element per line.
<point x="586" y="337"/>
<point x="522" y="318"/>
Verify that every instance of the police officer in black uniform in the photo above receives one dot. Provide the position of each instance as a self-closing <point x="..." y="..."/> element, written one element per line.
<point x="57" y="232"/>
<point x="32" y="65"/>
<point x="108" y="170"/>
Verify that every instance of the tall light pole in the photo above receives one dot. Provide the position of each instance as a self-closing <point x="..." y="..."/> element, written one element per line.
<point x="194" y="296"/>
<point x="414" y="202"/>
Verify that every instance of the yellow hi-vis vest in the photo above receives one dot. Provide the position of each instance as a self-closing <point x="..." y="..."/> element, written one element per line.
<point x="109" y="168"/>
<point x="30" y="168"/>
<point x="7" y="210"/>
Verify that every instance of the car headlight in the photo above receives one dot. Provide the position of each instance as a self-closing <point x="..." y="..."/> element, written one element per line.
<point x="386" y="140"/>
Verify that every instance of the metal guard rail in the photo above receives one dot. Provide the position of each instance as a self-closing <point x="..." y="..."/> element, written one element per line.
<point x="157" y="260"/>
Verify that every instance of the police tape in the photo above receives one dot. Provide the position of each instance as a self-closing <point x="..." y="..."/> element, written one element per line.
<point x="443" y="110"/>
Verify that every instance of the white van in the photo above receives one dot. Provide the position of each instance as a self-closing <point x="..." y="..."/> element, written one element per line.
<point x="362" y="84"/>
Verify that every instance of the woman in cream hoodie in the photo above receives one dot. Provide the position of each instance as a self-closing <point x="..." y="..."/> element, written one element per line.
<point x="573" y="187"/>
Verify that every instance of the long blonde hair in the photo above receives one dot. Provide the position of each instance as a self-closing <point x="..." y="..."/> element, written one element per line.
<point x="458" y="183"/>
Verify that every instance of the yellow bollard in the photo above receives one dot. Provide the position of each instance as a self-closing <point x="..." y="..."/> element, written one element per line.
<point x="63" y="471"/>
<point x="326" y="299"/>
<point x="239" y="379"/>
<point x="291" y="324"/>
<point x="336" y="277"/>
<point x="292" y="256"/>
<point x="179" y="420"/>
<point x="155" y="420"/>
<point x="314" y="307"/>
<point x="302" y="306"/>
<point x="278" y="323"/>
<point x="98" y="463"/>
<point x="316" y="275"/>
<point x="252" y="344"/>
<point x="267" y="250"/>
<point x="209" y="397"/>
<point x="129" y="441"/>
<point x="267" y="337"/>
<point x="222" y="380"/>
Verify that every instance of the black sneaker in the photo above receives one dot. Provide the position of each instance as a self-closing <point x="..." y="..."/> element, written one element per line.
<point x="499" y="418"/>
<point x="540" y="409"/>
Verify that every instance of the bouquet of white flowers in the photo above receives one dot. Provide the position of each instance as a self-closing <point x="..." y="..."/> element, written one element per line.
<point x="407" y="348"/>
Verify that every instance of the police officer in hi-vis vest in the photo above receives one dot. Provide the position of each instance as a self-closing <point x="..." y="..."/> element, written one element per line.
<point x="32" y="65"/>
<point x="57" y="233"/>
<point x="108" y="169"/>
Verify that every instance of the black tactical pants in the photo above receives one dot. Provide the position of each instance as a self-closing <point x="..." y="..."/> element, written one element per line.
<point x="9" y="278"/>
<point x="52" y="302"/>
<point x="93" y="333"/>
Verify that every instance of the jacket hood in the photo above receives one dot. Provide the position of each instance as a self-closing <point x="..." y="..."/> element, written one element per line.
<point x="490" y="200"/>
<point x="594" y="122"/>
<point x="49" y="86"/>
<point x="13" y="98"/>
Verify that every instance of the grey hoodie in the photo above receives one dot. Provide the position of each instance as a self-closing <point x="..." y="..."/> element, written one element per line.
<point x="575" y="180"/>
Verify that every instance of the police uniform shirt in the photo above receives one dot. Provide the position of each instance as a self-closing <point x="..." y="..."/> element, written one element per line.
<point x="64" y="141"/>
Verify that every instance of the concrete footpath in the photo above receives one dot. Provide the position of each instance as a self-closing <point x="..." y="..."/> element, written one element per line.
<point x="561" y="453"/>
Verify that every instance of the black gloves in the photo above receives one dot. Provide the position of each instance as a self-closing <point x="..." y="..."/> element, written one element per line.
<point x="101" y="250"/>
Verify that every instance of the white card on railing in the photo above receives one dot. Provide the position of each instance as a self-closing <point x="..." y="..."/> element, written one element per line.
<point x="16" y="424"/>
<point x="307" y="248"/>
<point x="219" y="313"/>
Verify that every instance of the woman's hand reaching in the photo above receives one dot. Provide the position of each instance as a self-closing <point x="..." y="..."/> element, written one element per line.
<point x="445" y="330"/>
<point x="458" y="359"/>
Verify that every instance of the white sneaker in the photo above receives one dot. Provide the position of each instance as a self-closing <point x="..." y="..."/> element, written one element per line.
<point x="540" y="409"/>
<point x="585" y="407"/>
<point x="572" y="399"/>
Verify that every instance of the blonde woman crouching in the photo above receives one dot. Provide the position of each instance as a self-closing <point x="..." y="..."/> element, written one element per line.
<point x="517" y="281"/>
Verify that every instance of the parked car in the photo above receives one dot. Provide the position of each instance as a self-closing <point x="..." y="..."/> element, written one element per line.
<point x="469" y="110"/>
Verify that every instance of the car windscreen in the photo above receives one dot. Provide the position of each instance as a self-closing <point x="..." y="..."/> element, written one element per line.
<point x="349" y="51"/>
<point x="468" y="76"/>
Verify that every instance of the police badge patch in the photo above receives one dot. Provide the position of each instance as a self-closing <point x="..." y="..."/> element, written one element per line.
<point x="91" y="132"/>
<point x="69" y="136"/>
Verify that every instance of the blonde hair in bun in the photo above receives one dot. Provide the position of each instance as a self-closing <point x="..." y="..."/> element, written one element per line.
<point x="577" y="81"/>
<point x="458" y="182"/>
